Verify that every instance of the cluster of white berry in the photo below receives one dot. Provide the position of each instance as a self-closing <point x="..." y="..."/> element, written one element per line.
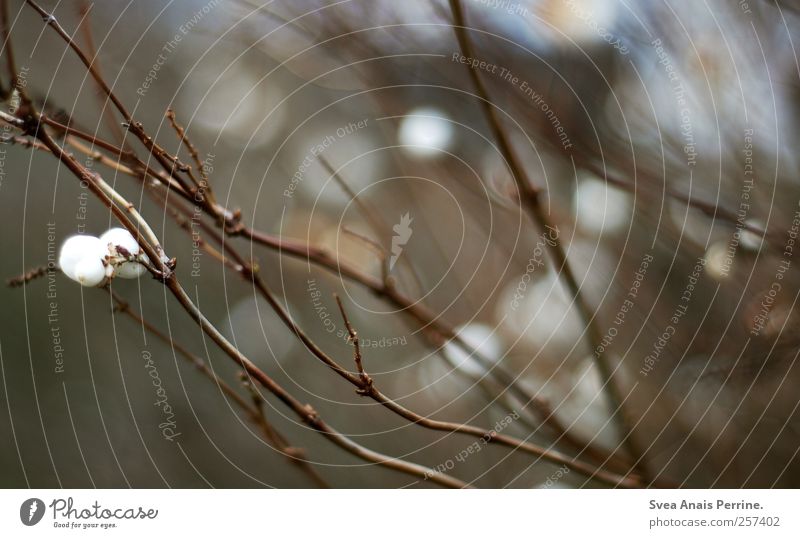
<point x="92" y="261"/>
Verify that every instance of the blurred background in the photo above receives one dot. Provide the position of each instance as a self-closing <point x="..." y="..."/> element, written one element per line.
<point x="661" y="136"/>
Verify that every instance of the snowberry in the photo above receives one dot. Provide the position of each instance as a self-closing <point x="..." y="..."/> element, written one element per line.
<point x="121" y="243"/>
<point x="425" y="132"/>
<point x="120" y="237"/>
<point x="130" y="270"/>
<point x="90" y="271"/>
<point x="483" y="339"/>
<point x="77" y="249"/>
<point x="92" y="261"/>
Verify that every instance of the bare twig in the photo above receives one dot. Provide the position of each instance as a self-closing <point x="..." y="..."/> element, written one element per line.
<point x="366" y="380"/>
<point x="296" y="455"/>
<point x="164" y="273"/>
<point x="254" y="411"/>
<point x="306" y="413"/>
<point x="181" y="132"/>
<point x="21" y="280"/>
<point x="529" y="196"/>
<point x="232" y="226"/>
<point x="249" y="271"/>
<point x="84" y="10"/>
<point x="366" y="387"/>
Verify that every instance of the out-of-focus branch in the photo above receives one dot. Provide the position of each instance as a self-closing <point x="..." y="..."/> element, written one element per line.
<point x="366" y="387"/>
<point x="366" y="380"/>
<point x="253" y="411"/>
<point x="529" y="197"/>
<point x="296" y="455"/>
<point x="248" y="270"/>
<point x="162" y="269"/>
<point x="231" y="225"/>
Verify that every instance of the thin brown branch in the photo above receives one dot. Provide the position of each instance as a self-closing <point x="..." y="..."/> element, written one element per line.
<point x="17" y="140"/>
<point x="296" y="455"/>
<point x="51" y="21"/>
<point x="366" y="380"/>
<point x="366" y="387"/>
<point x="254" y="411"/>
<point x="171" y="163"/>
<point x="165" y="274"/>
<point x="711" y="210"/>
<point x="21" y="280"/>
<point x="11" y="63"/>
<point x="377" y="224"/>
<point x="306" y="413"/>
<point x="248" y="270"/>
<point x="529" y="197"/>
<point x="88" y="37"/>
<point x="438" y="330"/>
<point x="100" y="157"/>
<point x="184" y="139"/>
<point x="92" y="180"/>
<point x="188" y="221"/>
<point x="8" y="49"/>
<point x="374" y="246"/>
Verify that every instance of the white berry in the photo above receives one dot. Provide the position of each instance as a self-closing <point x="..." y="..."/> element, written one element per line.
<point x="130" y="270"/>
<point x="425" y="132"/>
<point x="120" y="237"/>
<point x="90" y="271"/>
<point x="75" y="249"/>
